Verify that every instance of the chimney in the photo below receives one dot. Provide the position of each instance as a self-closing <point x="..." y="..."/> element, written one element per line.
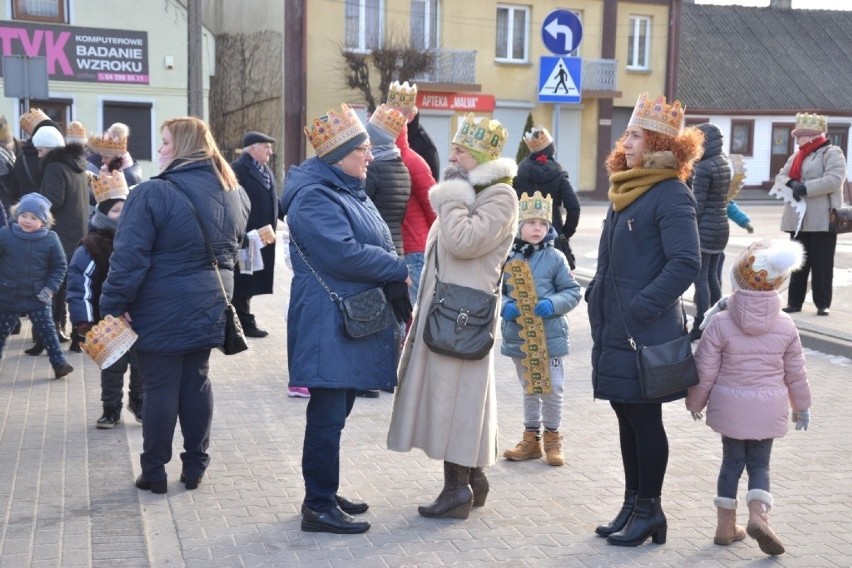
<point x="781" y="4"/>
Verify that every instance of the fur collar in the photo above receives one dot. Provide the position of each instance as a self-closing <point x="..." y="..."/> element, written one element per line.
<point x="664" y="159"/>
<point x="462" y="190"/>
<point x="71" y="155"/>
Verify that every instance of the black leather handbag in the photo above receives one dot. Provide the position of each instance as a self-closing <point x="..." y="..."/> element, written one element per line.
<point x="363" y="313"/>
<point x="461" y="321"/>
<point x="840" y="220"/>
<point x="665" y="368"/>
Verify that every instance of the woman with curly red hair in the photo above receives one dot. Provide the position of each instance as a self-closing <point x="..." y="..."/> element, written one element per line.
<point x="649" y="255"/>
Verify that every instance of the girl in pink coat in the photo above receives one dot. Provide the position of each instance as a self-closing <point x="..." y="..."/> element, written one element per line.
<point x="752" y="371"/>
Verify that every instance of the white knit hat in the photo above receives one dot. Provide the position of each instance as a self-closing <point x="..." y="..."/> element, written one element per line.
<point x="765" y="265"/>
<point x="48" y="137"/>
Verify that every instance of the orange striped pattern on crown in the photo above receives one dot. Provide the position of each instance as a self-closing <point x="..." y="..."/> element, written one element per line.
<point x="31" y="119"/>
<point x="76" y="131"/>
<point x="657" y="115"/>
<point x="388" y="119"/>
<point x="109" y="186"/>
<point x="109" y="146"/>
<point x="486" y="136"/>
<point x="108" y="340"/>
<point x="402" y="97"/>
<point x="330" y="131"/>
<point x="538" y="139"/>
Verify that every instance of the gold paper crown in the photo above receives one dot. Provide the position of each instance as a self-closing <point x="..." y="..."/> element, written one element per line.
<point x="109" y="146"/>
<point x="330" y="131"/>
<point x="32" y="118"/>
<point x="109" y="186"/>
<point x="403" y="97"/>
<point x="388" y="119"/>
<point x="737" y="176"/>
<point x="5" y="131"/>
<point x="658" y="116"/>
<point x="486" y="137"/>
<point x="108" y="340"/>
<point x="810" y="124"/>
<point x="76" y="131"/>
<point x="538" y="139"/>
<point x="535" y="207"/>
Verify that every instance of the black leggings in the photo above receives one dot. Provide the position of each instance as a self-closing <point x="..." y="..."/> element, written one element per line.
<point x="644" y="447"/>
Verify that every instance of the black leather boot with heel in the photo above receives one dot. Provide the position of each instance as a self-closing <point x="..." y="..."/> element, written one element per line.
<point x="479" y="485"/>
<point x="647" y="520"/>
<point x="455" y="499"/>
<point x="621" y="518"/>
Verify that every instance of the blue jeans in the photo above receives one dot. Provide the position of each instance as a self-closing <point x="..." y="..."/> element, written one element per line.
<point x="176" y="387"/>
<point x="414" y="261"/>
<point x="738" y="455"/>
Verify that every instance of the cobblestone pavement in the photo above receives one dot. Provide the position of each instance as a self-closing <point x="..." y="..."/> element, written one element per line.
<point x="67" y="496"/>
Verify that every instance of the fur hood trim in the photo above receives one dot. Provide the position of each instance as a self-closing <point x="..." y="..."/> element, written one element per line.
<point x="488" y="173"/>
<point x="663" y="159"/>
<point x="451" y="190"/>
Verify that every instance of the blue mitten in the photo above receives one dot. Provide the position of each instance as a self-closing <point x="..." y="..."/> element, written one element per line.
<point x="510" y="311"/>
<point x="543" y="308"/>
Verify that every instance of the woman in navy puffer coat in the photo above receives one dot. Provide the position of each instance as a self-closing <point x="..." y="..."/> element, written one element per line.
<point x="161" y="278"/>
<point x="710" y="182"/>
<point x="648" y="256"/>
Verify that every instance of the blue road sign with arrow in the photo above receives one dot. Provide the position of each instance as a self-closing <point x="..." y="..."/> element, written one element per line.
<point x="561" y="32"/>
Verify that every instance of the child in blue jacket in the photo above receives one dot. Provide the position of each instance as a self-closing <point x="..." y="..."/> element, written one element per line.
<point x="558" y="293"/>
<point x="86" y="275"/>
<point x="32" y="267"/>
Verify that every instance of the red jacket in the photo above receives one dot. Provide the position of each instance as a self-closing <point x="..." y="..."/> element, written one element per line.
<point x="419" y="214"/>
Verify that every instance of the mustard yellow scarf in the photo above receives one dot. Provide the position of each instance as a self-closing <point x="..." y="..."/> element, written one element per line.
<point x="626" y="187"/>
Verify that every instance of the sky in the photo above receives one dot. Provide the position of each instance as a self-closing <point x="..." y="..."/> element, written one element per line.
<point x="797" y="4"/>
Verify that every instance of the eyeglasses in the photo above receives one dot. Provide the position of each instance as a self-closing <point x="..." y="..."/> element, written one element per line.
<point x="364" y="149"/>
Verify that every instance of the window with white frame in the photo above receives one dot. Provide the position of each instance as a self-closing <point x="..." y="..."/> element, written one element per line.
<point x="40" y="10"/>
<point x="639" y="42"/>
<point x="424" y="24"/>
<point x="512" y="36"/>
<point x="363" y="24"/>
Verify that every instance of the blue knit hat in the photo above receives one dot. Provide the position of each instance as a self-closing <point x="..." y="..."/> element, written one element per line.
<point x="35" y="203"/>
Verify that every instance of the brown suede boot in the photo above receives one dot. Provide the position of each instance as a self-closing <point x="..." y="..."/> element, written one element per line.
<point x="528" y="448"/>
<point x="759" y="505"/>
<point x="455" y="499"/>
<point x="553" y="448"/>
<point x="727" y="529"/>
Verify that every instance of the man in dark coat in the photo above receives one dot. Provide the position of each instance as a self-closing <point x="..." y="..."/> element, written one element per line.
<point x="420" y="141"/>
<point x="258" y="181"/>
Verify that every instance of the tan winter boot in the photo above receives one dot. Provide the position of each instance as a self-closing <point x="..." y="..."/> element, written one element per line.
<point x="527" y="449"/>
<point x="553" y="448"/>
<point x="759" y="505"/>
<point x="727" y="529"/>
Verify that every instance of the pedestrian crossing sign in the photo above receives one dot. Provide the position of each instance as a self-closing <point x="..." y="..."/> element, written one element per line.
<point x="560" y="80"/>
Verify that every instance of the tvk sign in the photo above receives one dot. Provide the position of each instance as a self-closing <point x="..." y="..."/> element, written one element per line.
<point x="81" y="54"/>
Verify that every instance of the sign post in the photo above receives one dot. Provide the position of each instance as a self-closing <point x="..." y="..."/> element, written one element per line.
<point x="560" y="77"/>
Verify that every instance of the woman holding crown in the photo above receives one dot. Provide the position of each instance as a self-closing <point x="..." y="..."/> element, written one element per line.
<point x="338" y="244"/>
<point x="162" y="280"/>
<point x="649" y="255"/>
<point x="447" y="406"/>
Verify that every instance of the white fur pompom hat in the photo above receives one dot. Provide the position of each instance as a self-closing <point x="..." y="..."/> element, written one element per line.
<point x="765" y="264"/>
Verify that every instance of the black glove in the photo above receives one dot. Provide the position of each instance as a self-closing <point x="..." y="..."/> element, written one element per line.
<point x="799" y="189"/>
<point x="397" y="295"/>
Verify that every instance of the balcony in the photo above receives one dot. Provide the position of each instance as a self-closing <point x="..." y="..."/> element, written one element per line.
<point x="455" y="69"/>
<point x="600" y="77"/>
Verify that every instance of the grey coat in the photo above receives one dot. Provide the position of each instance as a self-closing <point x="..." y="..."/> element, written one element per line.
<point x="824" y="173"/>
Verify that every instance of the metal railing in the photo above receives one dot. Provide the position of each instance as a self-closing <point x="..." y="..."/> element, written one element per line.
<point x="600" y="74"/>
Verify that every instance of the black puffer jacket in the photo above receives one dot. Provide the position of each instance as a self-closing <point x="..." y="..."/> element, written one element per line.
<point x="711" y="178"/>
<point x="389" y="187"/>
<point x="420" y="141"/>
<point x="540" y="172"/>
<point x="65" y="183"/>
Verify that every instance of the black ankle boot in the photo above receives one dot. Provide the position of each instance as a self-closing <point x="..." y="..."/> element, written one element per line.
<point x="479" y="485"/>
<point x="621" y="518"/>
<point x="647" y="520"/>
<point x="456" y="499"/>
<point x="36" y="349"/>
